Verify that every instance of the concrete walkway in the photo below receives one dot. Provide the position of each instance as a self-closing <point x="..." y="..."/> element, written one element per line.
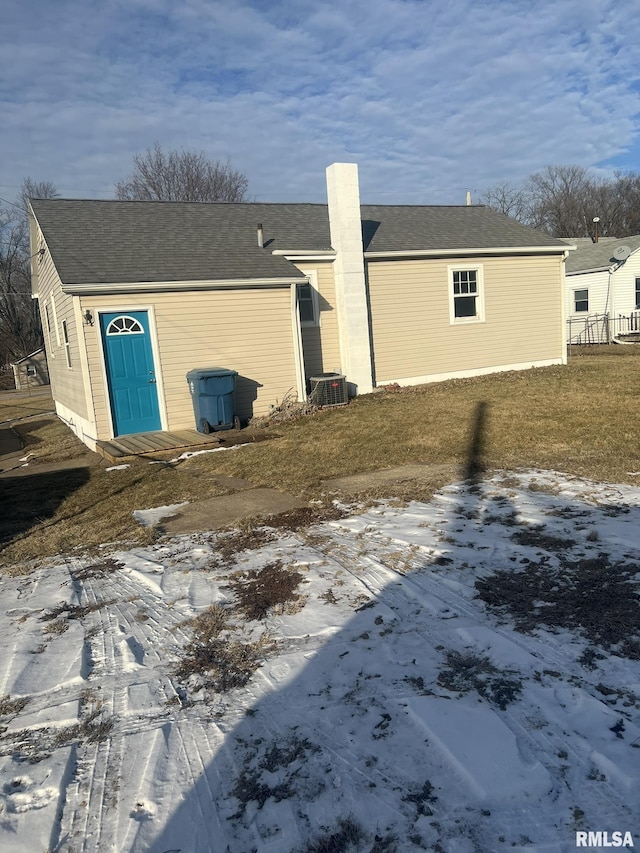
<point x="375" y="480"/>
<point x="227" y="510"/>
<point x="249" y="501"/>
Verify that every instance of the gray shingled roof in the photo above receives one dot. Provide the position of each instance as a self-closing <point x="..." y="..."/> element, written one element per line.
<point x="392" y="228"/>
<point x="590" y="256"/>
<point x="141" y="241"/>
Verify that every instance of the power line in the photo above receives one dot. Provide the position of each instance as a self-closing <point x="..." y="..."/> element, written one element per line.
<point x="13" y="204"/>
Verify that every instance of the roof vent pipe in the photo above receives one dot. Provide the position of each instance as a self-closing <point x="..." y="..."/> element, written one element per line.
<point x="260" y="236"/>
<point x="468" y="198"/>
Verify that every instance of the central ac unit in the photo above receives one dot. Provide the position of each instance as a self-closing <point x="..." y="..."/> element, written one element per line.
<point x="329" y="389"/>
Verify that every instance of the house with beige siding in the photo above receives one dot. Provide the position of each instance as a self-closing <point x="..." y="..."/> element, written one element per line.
<point x="603" y="289"/>
<point x="134" y="295"/>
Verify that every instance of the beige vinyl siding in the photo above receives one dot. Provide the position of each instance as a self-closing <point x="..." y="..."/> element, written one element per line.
<point x="412" y="331"/>
<point x="320" y="344"/>
<point x="248" y="330"/>
<point x="67" y="385"/>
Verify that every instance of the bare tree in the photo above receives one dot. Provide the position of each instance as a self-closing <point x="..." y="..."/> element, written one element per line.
<point x="35" y="189"/>
<point x="181" y="176"/>
<point x="508" y="199"/>
<point x="20" y="331"/>
<point x="564" y="200"/>
<point x="623" y="208"/>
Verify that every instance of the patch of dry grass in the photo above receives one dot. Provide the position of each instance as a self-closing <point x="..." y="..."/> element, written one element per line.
<point x="221" y="656"/>
<point x="575" y="419"/>
<point x="9" y="706"/>
<point x="465" y="672"/>
<point x="55" y="513"/>
<point x="593" y="596"/>
<point x="230" y="544"/>
<point x="216" y="659"/>
<point x="48" y="439"/>
<point x="23" y="404"/>
<point x="260" y="591"/>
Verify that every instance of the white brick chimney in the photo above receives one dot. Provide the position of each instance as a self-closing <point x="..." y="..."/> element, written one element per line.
<point x="343" y="195"/>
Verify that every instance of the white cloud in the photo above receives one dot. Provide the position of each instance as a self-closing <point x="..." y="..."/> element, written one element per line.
<point x="429" y="99"/>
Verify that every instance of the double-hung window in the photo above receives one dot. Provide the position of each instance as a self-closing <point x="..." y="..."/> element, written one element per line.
<point x="67" y="345"/>
<point x="47" y="316"/>
<point x="637" y="293"/>
<point x="466" y="297"/>
<point x="308" y="304"/>
<point x="581" y="301"/>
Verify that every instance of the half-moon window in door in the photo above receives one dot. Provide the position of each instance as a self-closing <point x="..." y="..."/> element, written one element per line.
<point x="124" y="326"/>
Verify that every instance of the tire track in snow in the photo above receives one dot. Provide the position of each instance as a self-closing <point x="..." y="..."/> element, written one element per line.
<point x="91" y="812"/>
<point x="133" y="639"/>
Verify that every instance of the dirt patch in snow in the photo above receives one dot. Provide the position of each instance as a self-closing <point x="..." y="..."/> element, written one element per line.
<point x="595" y="596"/>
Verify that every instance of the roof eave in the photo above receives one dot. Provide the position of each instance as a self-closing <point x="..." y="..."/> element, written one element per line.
<point x="463" y="252"/>
<point x="305" y="254"/>
<point x="91" y="288"/>
<point x="590" y="270"/>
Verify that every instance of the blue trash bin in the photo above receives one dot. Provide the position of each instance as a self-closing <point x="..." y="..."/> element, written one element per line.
<point x="213" y="396"/>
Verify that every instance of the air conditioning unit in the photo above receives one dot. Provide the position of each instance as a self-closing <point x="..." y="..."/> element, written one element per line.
<point x="329" y="389"/>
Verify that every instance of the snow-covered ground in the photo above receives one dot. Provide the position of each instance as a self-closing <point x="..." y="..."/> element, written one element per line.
<point x="391" y="709"/>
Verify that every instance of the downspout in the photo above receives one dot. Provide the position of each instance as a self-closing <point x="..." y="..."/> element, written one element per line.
<point x="566" y="337"/>
<point x="606" y="304"/>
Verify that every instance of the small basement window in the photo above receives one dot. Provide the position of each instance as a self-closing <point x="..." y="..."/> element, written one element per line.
<point x="581" y="301"/>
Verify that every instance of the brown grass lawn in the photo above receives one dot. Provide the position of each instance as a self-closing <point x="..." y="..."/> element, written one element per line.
<point x="581" y="419"/>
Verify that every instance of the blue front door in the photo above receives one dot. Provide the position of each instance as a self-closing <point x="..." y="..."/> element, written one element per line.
<point x="130" y="372"/>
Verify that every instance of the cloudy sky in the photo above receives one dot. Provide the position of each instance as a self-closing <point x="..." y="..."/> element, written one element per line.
<point x="430" y="97"/>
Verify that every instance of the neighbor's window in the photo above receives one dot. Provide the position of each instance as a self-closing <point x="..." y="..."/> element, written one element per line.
<point x="67" y="348"/>
<point x="465" y="295"/>
<point x="638" y="293"/>
<point x="308" y="305"/>
<point x="581" y="300"/>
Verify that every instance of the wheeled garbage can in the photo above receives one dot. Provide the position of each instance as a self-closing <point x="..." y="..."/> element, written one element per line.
<point x="213" y="395"/>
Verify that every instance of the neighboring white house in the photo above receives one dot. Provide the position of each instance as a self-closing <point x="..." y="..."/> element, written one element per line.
<point x="603" y="289"/>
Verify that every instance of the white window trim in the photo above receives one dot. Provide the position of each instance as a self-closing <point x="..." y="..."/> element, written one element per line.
<point x="47" y="320"/>
<point x="463" y="321"/>
<point x="313" y="284"/>
<point x="55" y="319"/>
<point x="67" y="345"/>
